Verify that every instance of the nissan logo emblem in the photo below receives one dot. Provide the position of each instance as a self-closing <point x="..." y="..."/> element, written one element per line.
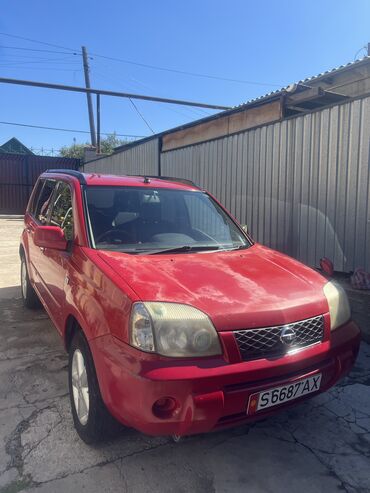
<point x="287" y="335"/>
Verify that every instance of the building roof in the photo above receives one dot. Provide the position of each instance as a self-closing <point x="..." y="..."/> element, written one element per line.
<point x="305" y="81"/>
<point x="291" y="89"/>
<point x="14" y="146"/>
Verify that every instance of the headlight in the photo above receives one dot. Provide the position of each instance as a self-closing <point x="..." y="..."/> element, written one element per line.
<point x="339" y="309"/>
<point x="172" y="329"/>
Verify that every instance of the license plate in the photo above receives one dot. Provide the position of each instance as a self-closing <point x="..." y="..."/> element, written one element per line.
<point x="278" y="395"/>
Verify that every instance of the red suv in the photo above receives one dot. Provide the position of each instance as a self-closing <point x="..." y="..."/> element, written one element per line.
<point x="176" y="322"/>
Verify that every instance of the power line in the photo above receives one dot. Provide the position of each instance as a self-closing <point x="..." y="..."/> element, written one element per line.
<point x="70" y="130"/>
<point x="141" y="116"/>
<point x="117" y="77"/>
<point x="135" y="83"/>
<point x="52" y="60"/>
<point x="39" y="42"/>
<point x="184" y="72"/>
<point x="104" y="92"/>
<point x="130" y="100"/>
<point x="42" y="68"/>
<point x="38" y="50"/>
<point x="27" y="56"/>
<point x="152" y="67"/>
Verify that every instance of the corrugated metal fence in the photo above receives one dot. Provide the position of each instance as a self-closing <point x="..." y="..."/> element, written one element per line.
<point x="301" y="185"/>
<point x="134" y="161"/>
<point x="18" y="174"/>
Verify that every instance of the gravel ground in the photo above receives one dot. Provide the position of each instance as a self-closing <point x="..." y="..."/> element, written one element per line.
<point x="322" y="445"/>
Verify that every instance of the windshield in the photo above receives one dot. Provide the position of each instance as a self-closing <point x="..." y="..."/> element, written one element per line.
<point x="148" y="220"/>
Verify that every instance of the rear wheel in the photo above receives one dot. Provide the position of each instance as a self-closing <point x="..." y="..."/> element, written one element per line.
<point x="91" y="418"/>
<point x="29" y="296"/>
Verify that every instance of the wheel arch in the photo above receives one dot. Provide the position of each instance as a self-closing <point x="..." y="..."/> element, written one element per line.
<point x="21" y="250"/>
<point x="72" y="326"/>
<point x="75" y="322"/>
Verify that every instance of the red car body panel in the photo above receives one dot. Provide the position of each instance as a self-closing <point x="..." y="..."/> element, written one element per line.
<point x="256" y="287"/>
<point x="213" y="393"/>
<point x="264" y="287"/>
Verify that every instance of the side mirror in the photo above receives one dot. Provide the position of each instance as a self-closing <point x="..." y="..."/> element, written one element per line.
<point x="245" y="228"/>
<point x="50" y="237"/>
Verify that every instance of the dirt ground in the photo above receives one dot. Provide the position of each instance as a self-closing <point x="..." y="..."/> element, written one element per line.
<point x="322" y="445"/>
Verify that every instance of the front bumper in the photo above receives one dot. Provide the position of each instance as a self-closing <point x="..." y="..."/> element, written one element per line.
<point x="211" y="393"/>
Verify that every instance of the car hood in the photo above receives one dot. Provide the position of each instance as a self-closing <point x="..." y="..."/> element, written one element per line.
<point x="256" y="287"/>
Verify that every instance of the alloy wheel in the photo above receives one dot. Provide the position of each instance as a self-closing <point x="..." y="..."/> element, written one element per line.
<point x="80" y="387"/>
<point x="24" y="278"/>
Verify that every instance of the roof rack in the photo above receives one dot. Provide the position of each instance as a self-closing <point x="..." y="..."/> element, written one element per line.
<point x="169" y="178"/>
<point x="71" y="172"/>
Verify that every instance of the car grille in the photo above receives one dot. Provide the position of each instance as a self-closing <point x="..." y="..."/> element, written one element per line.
<point x="266" y="342"/>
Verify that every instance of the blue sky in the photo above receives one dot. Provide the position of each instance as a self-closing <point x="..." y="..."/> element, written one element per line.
<point x="268" y="44"/>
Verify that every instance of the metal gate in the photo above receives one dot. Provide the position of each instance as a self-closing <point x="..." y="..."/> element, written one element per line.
<point x="18" y="174"/>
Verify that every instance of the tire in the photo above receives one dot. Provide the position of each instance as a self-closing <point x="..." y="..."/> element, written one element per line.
<point x="29" y="296"/>
<point x="92" y="421"/>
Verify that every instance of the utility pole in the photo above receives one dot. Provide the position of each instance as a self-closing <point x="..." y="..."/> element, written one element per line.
<point x="88" y="96"/>
<point x="98" y="146"/>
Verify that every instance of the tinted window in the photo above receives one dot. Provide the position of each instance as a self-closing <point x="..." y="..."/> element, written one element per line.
<point x="36" y="195"/>
<point x="205" y="216"/>
<point x="61" y="212"/>
<point x="141" y="219"/>
<point x="44" y="202"/>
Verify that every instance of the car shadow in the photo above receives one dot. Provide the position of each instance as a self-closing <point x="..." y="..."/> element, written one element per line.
<point x="10" y="292"/>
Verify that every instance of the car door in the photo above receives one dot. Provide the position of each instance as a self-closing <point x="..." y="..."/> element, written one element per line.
<point x="37" y="215"/>
<point x="54" y="263"/>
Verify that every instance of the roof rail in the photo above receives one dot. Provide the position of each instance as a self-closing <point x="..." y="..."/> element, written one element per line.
<point x="169" y="178"/>
<point x="71" y="172"/>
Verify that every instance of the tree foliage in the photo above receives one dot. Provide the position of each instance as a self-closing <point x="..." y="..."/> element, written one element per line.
<point x="107" y="146"/>
<point x="75" y="150"/>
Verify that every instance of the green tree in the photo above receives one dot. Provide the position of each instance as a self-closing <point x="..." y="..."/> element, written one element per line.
<point x="75" y="150"/>
<point x="107" y="146"/>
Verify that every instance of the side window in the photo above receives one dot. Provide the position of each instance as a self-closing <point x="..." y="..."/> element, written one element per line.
<point x="35" y="197"/>
<point x="42" y="203"/>
<point x="61" y="212"/>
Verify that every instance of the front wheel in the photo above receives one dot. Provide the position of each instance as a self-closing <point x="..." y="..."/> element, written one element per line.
<point x="29" y="296"/>
<point x="91" y="418"/>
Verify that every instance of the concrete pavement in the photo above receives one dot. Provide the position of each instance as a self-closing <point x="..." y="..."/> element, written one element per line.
<point x="322" y="445"/>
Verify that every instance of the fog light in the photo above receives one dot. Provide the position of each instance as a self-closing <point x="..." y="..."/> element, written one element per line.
<point x="165" y="407"/>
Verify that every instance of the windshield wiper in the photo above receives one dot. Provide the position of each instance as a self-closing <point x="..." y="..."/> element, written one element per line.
<point x="184" y="248"/>
<point x="240" y="247"/>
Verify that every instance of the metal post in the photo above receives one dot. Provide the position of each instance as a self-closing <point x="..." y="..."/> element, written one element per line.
<point x="62" y="87"/>
<point x="98" y="124"/>
<point x="88" y="96"/>
<point x="160" y="142"/>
